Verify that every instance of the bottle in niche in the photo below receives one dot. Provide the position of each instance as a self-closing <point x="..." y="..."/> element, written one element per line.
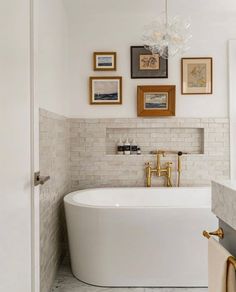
<point x="120" y="147"/>
<point x="138" y="150"/>
<point x="134" y="148"/>
<point x="127" y="147"/>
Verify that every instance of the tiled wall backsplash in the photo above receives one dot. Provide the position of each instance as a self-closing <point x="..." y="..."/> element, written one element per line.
<point x="186" y="139"/>
<point x="54" y="153"/>
<point x="80" y="153"/>
<point x="94" y="163"/>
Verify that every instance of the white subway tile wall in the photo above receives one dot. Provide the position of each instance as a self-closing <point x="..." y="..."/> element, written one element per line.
<point x="94" y="163"/>
<point x="54" y="151"/>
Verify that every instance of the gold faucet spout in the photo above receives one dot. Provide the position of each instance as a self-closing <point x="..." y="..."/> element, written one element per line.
<point x="160" y="154"/>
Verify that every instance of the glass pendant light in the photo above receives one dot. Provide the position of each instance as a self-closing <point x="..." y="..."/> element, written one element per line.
<point x="167" y="36"/>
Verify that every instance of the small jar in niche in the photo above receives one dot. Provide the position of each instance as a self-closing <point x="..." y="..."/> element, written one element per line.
<point x="138" y="150"/>
<point x="134" y="148"/>
<point x="120" y="147"/>
<point x="127" y="147"/>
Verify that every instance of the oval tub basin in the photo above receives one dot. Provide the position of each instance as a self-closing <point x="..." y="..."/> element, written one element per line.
<point x="139" y="237"/>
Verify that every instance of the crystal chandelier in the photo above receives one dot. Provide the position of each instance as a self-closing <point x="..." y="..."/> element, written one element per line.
<point x="167" y="36"/>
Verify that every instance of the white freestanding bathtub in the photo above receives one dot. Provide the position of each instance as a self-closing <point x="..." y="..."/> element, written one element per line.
<point x="147" y="237"/>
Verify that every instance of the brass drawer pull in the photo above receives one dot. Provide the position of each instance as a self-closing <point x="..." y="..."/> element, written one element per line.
<point x="219" y="232"/>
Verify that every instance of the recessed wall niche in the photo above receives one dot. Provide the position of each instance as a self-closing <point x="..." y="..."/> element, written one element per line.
<point x="189" y="140"/>
<point x="93" y="146"/>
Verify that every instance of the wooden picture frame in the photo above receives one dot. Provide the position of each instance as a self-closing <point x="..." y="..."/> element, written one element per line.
<point x="105" y="90"/>
<point x="197" y="76"/>
<point x="104" y="61"/>
<point x="146" y="65"/>
<point x="155" y="101"/>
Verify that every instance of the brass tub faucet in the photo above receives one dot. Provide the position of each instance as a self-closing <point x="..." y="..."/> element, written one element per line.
<point x="159" y="170"/>
<point x="166" y="170"/>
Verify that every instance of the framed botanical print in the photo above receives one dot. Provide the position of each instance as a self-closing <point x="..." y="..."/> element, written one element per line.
<point x="156" y="100"/>
<point x="106" y="90"/>
<point x="144" y="64"/>
<point x="104" y="61"/>
<point x="197" y="76"/>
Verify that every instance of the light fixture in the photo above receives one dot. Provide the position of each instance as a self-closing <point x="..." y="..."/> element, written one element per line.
<point x="167" y="36"/>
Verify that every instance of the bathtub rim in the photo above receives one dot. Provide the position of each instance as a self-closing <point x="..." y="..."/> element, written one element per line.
<point x="68" y="199"/>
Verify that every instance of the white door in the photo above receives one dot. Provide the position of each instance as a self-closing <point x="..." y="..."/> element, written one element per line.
<point x="17" y="261"/>
<point x="35" y="149"/>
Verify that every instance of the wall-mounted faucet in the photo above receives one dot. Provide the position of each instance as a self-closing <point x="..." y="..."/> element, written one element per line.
<point x="159" y="170"/>
<point x="166" y="171"/>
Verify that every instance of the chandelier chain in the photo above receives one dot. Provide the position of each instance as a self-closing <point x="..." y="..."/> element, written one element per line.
<point x="166" y="11"/>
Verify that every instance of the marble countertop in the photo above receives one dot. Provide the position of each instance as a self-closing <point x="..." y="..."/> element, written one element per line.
<point x="224" y="201"/>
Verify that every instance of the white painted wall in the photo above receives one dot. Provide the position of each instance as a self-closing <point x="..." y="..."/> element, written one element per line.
<point x="232" y="105"/>
<point x="52" y="57"/>
<point x="15" y="176"/>
<point x="116" y="25"/>
<point x="51" y="88"/>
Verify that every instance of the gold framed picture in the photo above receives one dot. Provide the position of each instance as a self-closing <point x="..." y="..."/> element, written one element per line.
<point x="104" y="61"/>
<point x="156" y="100"/>
<point x="106" y="90"/>
<point x="196" y="75"/>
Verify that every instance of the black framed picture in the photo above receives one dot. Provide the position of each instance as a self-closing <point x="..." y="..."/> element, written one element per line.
<point x="144" y="64"/>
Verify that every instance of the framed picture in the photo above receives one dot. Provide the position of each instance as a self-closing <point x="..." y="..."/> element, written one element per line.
<point x="197" y="76"/>
<point x="144" y="64"/>
<point x="105" y="90"/>
<point x="104" y="61"/>
<point x="156" y="100"/>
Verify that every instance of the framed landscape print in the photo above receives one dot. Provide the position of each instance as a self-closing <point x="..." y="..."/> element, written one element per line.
<point x="104" y="61"/>
<point x="197" y="75"/>
<point x="144" y="64"/>
<point x="156" y="100"/>
<point x="105" y="90"/>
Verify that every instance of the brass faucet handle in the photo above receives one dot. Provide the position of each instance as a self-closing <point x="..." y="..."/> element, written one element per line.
<point x="148" y="164"/>
<point x="169" y="163"/>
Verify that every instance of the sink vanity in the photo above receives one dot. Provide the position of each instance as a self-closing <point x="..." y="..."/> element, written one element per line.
<point x="224" y="207"/>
